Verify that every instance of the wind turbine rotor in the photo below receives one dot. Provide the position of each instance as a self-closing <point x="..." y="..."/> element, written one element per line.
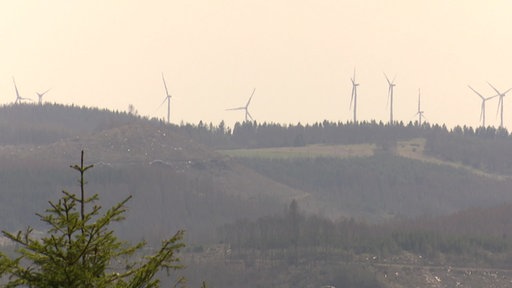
<point x="42" y="94"/>
<point x="354" y="89"/>
<point x="390" y="88"/>
<point x="246" y="107"/>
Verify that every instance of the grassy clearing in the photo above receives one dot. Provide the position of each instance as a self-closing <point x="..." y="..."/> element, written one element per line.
<point x="311" y="151"/>
<point x="412" y="149"/>
<point x="415" y="148"/>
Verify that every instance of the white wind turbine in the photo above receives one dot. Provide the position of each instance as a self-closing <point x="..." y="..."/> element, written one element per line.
<point x="390" y="97"/>
<point x="500" y="101"/>
<point x="420" y="112"/>
<point x="482" y="107"/>
<point x="246" y="107"/>
<point x="40" y="96"/>
<point x="353" y="98"/>
<point x="168" y="99"/>
<point x="19" y="99"/>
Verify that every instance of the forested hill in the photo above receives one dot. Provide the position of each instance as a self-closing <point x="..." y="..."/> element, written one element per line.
<point x="187" y="177"/>
<point x="485" y="148"/>
<point x="45" y="124"/>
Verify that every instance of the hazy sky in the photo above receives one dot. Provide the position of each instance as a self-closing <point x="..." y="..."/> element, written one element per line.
<point x="298" y="54"/>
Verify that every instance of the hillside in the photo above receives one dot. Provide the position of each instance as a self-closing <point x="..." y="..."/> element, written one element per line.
<point x="176" y="183"/>
<point x="371" y="171"/>
<point x="418" y="199"/>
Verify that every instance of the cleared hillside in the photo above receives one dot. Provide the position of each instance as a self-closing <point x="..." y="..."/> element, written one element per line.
<point x="176" y="183"/>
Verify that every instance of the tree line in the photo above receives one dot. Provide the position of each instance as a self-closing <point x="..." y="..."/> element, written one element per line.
<point x="294" y="236"/>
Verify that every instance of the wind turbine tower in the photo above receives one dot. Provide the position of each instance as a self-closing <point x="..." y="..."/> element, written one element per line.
<point x="390" y="97"/>
<point x="482" y="108"/>
<point x="500" y="102"/>
<point x="40" y="95"/>
<point x="168" y="99"/>
<point x="353" y="98"/>
<point x="246" y="107"/>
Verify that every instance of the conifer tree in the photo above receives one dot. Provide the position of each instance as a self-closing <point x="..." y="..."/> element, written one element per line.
<point x="79" y="248"/>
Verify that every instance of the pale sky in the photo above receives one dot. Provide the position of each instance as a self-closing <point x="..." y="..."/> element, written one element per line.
<point x="298" y="54"/>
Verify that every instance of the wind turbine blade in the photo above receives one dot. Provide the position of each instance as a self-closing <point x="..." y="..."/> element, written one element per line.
<point x="476" y="92"/>
<point x="393" y="82"/>
<point x="419" y="100"/>
<point x="249" y="114"/>
<point x="494" y="88"/>
<point x="165" y="86"/>
<point x="507" y="91"/>
<point x="46" y="91"/>
<point x="165" y="99"/>
<point x="250" y="98"/>
<point x="389" y="82"/>
<point x="16" y="88"/>
<point x="239" y="108"/>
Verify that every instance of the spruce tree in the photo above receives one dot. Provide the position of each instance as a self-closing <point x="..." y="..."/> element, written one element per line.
<point x="79" y="249"/>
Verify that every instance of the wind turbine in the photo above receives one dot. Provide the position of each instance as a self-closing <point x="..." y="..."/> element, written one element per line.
<point x="354" y="95"/>
<point x="420" y="112"/>
<point x="168" y="99"/>
<point x="40" y="95"/>
<point x="19" y="99"/>
<point x="390" y="97"/>
<point x="246" y="107"/>
<point x="500" y="101"/>
<point x="482" y="109"/>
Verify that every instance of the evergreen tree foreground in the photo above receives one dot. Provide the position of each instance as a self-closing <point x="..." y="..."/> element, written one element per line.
<point x="79" y="248"/>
